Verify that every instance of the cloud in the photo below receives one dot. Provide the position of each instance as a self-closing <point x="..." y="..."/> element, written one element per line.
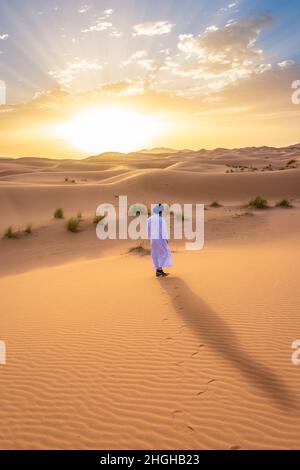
<point x="84" y="8"/>
<point x="72" y="70"/>
<point x="124" y="87"/>
<point x="103" y="24"/>
<point x="222" y="56"/>
<point x="140" y="58"/>
<point x="141" y="54"/>
<point x="217" y="58"/>
<point x="60" y="99"/>
<point x="152" y="65"/>
<point x="229" y="7"/>
<point x="236" y="42"/>
<point x="205" y="64"/>
<point x="270" y="90"/>
<point x="149" y="64"/>
<point x="99" y="25"/>
<point x="266" y="96"/>
<point x="115" y="33"/>
<point x="262" y="68"/>
<point x="108" y="12"/>
<point x="4" y="36"/>
<point x="152" y="28"/>
<point x="211" y="28"/>
<point x="286" y="63"/>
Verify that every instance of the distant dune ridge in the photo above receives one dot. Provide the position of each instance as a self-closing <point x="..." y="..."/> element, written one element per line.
<point x="291" y="150"/>
<point x="101" y="354"/>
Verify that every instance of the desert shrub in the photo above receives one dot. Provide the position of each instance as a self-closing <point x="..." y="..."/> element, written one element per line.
<point x="73" y="224"/>
<point x="9" y="233"/>
<point x="59" y="213"/>
<point x="258" y="202"/>
<point x="28" y="229"/>
<point x="285" y="202"/>
<point x="139" y="250"/>
<point x="215" y="204"/>
<point x="79" y="215"/>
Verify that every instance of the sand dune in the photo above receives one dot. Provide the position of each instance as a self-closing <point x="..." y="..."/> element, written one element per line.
<point x="176" y="367"/>
<point x="23" y="202"/>
<point x="101" y="354"/>
<point x="55" y="177"/>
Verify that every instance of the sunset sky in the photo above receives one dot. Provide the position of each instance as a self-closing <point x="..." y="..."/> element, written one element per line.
<point x="87" y="77"/>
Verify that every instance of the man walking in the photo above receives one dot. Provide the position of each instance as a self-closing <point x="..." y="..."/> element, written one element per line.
<point x="158" y="236"/>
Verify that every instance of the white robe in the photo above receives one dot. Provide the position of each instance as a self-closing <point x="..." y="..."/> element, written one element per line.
<point x="158" y="235"/>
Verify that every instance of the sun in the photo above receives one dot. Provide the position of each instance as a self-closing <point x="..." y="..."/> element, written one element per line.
<point x="113" y="128"/>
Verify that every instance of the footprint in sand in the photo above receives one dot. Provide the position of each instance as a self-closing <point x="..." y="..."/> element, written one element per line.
<point x="190" y="428"/>
<point x="197" y="352"/>
<point x="180" y="363"/>
<point x="211" y="381"/>
<point x="179" y="419"/>
<point x="175" y="413"/>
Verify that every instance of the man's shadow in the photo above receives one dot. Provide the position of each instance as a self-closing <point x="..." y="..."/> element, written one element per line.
<point x="211" y="327"/>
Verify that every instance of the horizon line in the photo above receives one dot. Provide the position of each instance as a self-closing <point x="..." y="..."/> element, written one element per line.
<point x="148" y="151"/>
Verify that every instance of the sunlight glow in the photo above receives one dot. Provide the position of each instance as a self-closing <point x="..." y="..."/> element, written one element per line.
<point x="112" y="129"/>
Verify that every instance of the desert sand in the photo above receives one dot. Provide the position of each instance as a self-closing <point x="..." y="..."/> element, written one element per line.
<point x="102" y="355"/>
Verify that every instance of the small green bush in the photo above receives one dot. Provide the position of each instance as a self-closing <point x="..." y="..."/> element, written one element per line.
<point x="9" y="233"/>
<point x="139" y="250"/>
<point x="258" y="202"/>
<point x="59" y="213"/>
<point x="215" y="204"/>
<point x="285" y="202"/>
<point x="28" y="229"/>
<point x="73" y="224"/>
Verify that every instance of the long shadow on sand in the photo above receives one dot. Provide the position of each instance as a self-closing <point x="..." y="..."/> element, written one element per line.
<point x="211" y="327"/>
